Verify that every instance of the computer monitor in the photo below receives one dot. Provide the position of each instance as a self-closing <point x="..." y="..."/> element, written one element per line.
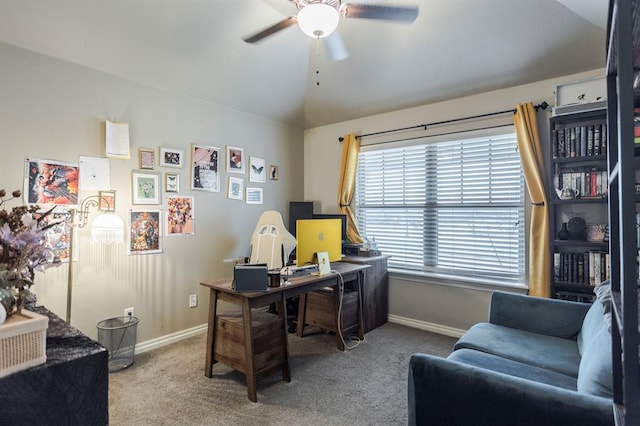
<point x="342" y="217"/>
<point x="314" y="235"/>
<point x="299" y="210"/>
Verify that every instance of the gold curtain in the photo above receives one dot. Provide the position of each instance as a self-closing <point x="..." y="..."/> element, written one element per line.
<point x="347" y="184"/>
<point x="533" y="166"/>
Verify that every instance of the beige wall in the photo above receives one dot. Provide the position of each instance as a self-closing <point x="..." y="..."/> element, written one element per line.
<point x="421" y="299"/>
<point x="56" y="110"/>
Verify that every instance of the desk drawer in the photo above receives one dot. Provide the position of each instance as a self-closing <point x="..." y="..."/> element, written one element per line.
<point x="268" y="340"/>
<point x="321" y="312"/>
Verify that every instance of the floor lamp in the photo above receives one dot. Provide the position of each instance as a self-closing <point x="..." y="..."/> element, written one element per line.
<point x="106" y="228"/>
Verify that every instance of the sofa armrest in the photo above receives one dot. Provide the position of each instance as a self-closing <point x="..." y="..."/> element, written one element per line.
<point x="442" y="391"/>
<point x="552" y="317"/>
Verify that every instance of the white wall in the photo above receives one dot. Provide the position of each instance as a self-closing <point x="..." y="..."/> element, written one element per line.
<point x="55" y="110"/>
<point x="419" y="299"/>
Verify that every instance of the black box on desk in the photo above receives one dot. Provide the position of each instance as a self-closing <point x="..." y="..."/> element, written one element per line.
<point x="250" y="277"/>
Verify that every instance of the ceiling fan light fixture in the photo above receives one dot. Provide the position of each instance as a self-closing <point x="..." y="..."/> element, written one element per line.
<point x="318" y="20"/>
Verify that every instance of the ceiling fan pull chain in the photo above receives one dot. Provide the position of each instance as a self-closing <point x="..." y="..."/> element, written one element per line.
<point x="318" y="61"/>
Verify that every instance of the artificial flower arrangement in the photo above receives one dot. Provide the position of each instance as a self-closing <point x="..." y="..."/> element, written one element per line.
<point x="23" y="251"/>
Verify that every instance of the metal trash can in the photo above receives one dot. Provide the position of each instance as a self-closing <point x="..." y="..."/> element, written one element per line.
<point x="118" y="335"/>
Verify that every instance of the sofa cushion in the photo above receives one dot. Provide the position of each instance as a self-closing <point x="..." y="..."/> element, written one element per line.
<point x="595" y="376"/>
<point x="548" y="352"/>
<point x="603" y="295"/>
<point x="591" y="326"/>
<point x="513" y="368"/>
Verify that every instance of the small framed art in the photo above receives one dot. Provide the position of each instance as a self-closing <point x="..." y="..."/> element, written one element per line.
<point x="146" y="159"/>
<point x="172" y="182"/>
<point x="107" y="201"/>
<point x="144" y="232"/>
<point x="235" y="159"/>
<point x="254" y="195"/>
<point x="236" y="188"/>
<point x="171" y="157"/>
<point x="145" y="187"/>
<point x="273" y="172"/>
<point x="204" y="168"/>
<point x="257" y="172"/>
<point x="179" y="215"/>
<point x="58" y="235"/>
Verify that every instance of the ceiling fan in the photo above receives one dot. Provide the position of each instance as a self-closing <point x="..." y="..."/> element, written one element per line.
<point x="319" y="19"/>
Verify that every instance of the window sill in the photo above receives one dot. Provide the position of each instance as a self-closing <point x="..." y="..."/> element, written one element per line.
<point x="483" y="284"/>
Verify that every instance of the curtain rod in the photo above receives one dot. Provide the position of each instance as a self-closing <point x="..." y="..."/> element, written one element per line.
<point x="543" y="106"/>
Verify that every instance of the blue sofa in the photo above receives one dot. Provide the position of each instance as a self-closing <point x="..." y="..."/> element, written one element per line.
<point x="536" y="362"/>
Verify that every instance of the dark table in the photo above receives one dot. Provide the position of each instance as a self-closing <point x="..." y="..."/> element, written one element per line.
<point x="71" y="388"/>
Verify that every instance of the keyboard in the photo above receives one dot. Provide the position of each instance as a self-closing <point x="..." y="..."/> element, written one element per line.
<point x="295" y="271"/>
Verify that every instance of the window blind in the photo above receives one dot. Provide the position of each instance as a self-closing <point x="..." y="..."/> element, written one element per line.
<point x="452" y="207"/>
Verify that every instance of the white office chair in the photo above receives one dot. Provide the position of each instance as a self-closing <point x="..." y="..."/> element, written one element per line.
<point x="271" y="243"/>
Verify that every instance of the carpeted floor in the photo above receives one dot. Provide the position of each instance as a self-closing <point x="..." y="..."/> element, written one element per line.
<point x="363" y="386"/>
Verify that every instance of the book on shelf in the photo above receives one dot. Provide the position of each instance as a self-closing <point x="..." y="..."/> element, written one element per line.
<point x="589" y="268"/>
<point x="584" y="140"/>
<point x="636" y="125"/>
<point x="589" y="182"/>
<point x="575" y="296"/>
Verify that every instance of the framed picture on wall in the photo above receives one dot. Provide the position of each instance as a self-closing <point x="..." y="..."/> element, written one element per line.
<point x="257" y="171"/>
<point x="58" y="236"/>
<point x="145" y="187"/>
<point x="107" y="201"/>
<point x="145" y="232"/>
<point x="254" y="196"/>
<point x="205" y="173"/>
<point x="146" y="159"/>
<point x="236" y="188"/>
<point x="180" y="213"/>
<point x="235" y="159"/>
<point x="50" y="182"/>
<point x="172" y="182"/>
<point x="171" y="157"/>
<point x="273" y="172"/>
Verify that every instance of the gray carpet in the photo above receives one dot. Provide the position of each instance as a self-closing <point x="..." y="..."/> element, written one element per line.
<point x="364" y="386"/>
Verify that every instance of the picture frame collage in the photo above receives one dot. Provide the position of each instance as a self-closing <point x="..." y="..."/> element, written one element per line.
<point x="207" y="166"/>
<point x="149" y="218"/>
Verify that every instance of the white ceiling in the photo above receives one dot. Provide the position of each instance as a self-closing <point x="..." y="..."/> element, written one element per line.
<point x="194" y="47"/>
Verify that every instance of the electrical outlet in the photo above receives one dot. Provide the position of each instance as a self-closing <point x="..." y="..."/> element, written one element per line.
<point x="193" y="300"/>
<point x="129" y="312"/>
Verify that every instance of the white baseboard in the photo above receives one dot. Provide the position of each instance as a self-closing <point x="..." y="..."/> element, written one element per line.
<point x="428" y="326"/>
<point x="194" y="331"/>
<point x="169" y="338"/>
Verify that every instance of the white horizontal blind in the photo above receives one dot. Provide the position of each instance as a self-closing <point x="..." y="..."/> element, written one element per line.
<point x="454" y="207"/>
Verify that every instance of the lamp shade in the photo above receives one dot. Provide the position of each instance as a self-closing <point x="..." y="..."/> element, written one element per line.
<point x="107" y="228"/>
<point x="318" y="20"/>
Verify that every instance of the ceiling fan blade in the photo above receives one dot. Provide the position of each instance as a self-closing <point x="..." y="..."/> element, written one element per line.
<point x="292" y="20"/>
<point x="385" y="13"/>
<point x="335" y="48"/>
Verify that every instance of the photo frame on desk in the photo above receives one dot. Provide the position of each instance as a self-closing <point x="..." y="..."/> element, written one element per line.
<point x="324" y="266"/>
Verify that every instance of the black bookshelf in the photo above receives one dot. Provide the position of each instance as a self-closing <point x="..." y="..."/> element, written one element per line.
<point x="578" y="164"/>
<point x="623" y="59"/>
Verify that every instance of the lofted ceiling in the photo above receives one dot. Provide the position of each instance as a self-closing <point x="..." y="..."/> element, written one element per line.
<point x="195" y="48"/>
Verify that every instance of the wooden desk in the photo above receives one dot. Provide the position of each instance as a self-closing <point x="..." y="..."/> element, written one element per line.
<point x="375" y="291"/>
<point x="222" y="290"/>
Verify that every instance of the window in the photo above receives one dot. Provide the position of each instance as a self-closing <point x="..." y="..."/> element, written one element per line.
<point x="449" y="207"/>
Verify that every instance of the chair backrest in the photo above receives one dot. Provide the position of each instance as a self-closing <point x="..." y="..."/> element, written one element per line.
<point x="271" y="243"/>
